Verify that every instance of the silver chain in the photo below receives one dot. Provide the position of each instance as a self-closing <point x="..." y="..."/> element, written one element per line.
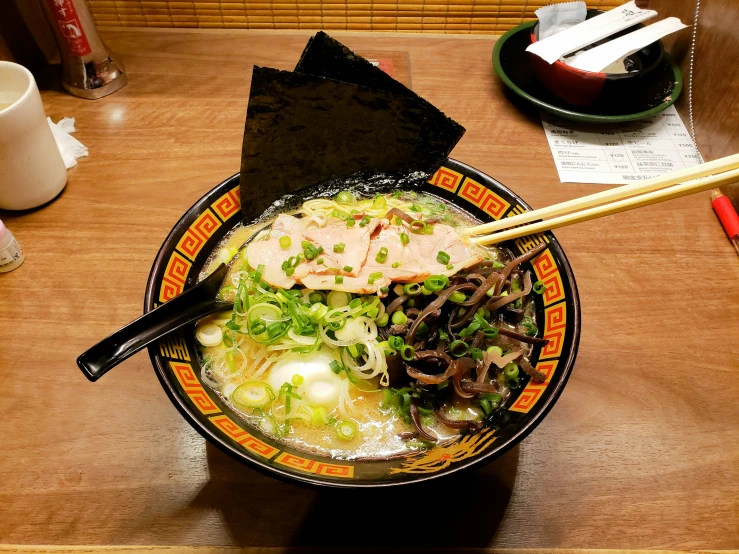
<point x="690" y="82"/>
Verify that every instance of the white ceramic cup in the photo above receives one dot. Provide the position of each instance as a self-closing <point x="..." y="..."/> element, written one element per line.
<point x="32" y="171"/>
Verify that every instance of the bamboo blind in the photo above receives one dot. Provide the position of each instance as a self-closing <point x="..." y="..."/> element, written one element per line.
<point x="434" y="16"/>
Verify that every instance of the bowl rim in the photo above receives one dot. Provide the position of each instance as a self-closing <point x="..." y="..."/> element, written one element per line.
<point x="307" y="479"/>
<point x="571" y="114"/>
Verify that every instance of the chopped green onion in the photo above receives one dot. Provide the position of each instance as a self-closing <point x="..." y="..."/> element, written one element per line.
<point x="372" y="314"/>
<point x="381" y="257"/>
<point x="253" y="394"/>
<point x="317" y="312"/>
<point x="395" y="342"/>
<point x="485" y="405"/>
<point x="491" y="332"/>
<point x="511" y="370"/>
<point x="314" y="297"/>
<point x="410" y="303"/>
<point x="338" y="299"/>
<point x="382" y="320"/>
<point x="289" y="271"/>
<point x="346" y="430"/>
<point x="398" y="221"/>
<point x="470" y="330"/>
<point x="319" y="416"/>
<point x="379" y="202"/>
<point x="297" y="380"/>
<point x="422" y="330"/>
<point x="373" y="277"/>
<point x="417" y="226"/>
<point x="285" y="242"/>
<point x="355" y="303"/>
<point x="345" y="197"/>
<point x="225" y="290"/>
<point x="404" y="238"/>
<point x="338" y="279"/>
<point x="365" y="221"/>
<point x="339" y="247"/>
<point x="415" y="208"/>
<point x="436" y="282"/>
<point x="539" y="287"/>
<point x="319" y="261"/>
<point x="348" y="268"/>
<point x="513" y="383"/>
<point x="498" y="265"/>
<point x="355" y="350"/>
<point x="442" y="385"/>
<point x="496" y="349"/>
<point x="412" y="289"/>
<point x="494" y="398"/>
<point x="476" y="353"/>
<point x="399" y="318"/>
<point x="350" y="222"/>
<point x="442" y="257"/>
<point x="458" y="348"/>
<point x="258" y="272"/>
<point x="457" y="297"/>
<point x="407" y="352"/>
<point x="335" y="367"/>
<point x="385" y="289"/>
<point x="396" y="264"/>
<point x="339" y="214"/>
<point x="450" y="266"/>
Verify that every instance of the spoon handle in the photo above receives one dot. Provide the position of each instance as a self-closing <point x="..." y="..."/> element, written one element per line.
<point x="190" y="306"/>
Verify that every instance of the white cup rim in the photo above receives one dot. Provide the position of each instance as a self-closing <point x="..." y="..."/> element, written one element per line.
<point x="29" y="88"/>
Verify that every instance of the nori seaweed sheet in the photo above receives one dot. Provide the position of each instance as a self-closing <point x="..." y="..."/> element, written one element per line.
<point x="303" y="129"/>
<point x="324" y="56"/>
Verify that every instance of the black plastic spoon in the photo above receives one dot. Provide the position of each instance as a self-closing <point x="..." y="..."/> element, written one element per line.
<point x="189" y="306"/>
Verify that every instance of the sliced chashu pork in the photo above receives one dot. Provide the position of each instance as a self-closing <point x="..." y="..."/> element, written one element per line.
<point x="269" y="253"/>
<point x="417" y="260"/>
<point x="356" y="241"/>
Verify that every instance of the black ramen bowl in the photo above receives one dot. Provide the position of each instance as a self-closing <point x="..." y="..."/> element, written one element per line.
<point x="175" y="358"/>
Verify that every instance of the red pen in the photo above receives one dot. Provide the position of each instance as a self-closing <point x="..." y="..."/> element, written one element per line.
<point x="727" y="215"/>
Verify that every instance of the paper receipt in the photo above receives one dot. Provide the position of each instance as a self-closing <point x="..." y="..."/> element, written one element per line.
<point x="617" y="154"/>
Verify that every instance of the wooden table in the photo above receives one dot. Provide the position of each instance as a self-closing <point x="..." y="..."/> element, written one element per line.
<point x="641" y="451"/>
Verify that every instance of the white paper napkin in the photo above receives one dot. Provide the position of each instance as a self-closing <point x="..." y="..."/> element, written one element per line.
<point x="70" y="147"/>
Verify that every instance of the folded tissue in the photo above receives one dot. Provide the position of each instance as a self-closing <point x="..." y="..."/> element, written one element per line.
<point x="69" y="147"/>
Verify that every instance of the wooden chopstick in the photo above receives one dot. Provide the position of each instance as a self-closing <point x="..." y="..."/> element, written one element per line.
<point x="654" y="197"/>
<point x="625" y="191"/>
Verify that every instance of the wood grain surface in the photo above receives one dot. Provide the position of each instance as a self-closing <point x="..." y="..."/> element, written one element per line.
<point x="641" y="450"/>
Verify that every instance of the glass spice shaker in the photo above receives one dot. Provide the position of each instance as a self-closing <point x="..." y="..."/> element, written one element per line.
<point x="89" y="69"/>
<point x="11" y="255"/>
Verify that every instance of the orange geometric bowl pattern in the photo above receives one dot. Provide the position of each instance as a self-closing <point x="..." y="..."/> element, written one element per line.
<point x="177" y="363"/>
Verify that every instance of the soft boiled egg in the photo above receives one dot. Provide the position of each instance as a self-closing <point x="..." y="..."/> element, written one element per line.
<point x="320" y="386"/>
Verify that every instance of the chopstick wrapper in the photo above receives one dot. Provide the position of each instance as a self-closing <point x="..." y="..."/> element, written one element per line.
<point x="592" y="30"/>
<point x="69" y="147"/>
<point x="602" y="56"/>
